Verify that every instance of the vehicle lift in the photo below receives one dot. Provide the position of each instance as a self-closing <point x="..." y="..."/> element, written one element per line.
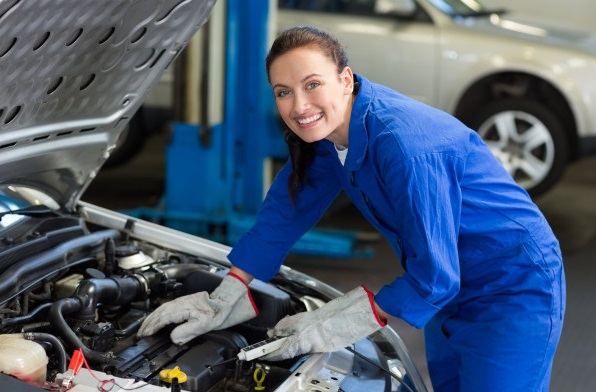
<point x="218" y="162"/>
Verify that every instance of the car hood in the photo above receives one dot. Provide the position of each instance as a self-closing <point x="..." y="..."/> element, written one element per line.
<point x="534" y="29"/>
<point x="73" y="74"/>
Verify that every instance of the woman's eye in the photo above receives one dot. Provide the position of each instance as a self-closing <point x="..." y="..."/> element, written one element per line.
<point x="312" y="85"/>
<point x="282" y="93"/>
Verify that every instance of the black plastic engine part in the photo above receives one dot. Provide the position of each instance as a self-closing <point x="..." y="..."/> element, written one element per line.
<point x="33" y="235"/>
<point x="96" y="336"/>
<point x="214" y="348"/>
<point x="148" y="356"/>
<point x="74" y="252"/>
<point x="273" y="304"/>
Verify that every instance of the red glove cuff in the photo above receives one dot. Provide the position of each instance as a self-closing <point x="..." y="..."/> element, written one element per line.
<point x="371" y="298"/>
<point x="252" y="302"/>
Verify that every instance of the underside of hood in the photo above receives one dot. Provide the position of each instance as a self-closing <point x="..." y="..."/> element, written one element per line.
<point x="72" y="73"/>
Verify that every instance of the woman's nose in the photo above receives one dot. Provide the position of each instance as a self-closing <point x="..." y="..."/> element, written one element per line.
<point x="301" y="103"/>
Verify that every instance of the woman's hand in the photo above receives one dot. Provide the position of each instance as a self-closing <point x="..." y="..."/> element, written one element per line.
<point x="333" y="326"/>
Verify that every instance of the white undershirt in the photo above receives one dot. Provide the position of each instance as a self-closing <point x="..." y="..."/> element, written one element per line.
<point x="342" y="152"/>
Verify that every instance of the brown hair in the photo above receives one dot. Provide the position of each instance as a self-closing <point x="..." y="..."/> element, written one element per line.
<point x="301" y="153"/>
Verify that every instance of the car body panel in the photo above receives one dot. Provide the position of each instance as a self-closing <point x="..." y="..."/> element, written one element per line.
<point x="562" y="66"/>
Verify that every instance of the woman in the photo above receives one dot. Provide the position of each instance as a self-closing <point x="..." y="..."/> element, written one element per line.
<point x="483" y="270"/>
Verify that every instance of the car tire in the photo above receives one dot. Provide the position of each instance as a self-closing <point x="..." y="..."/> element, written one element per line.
<point x="132" y="139"/>
<point x="527" y="138"/>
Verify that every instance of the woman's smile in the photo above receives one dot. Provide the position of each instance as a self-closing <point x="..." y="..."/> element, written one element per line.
<point x="309" y="121"/>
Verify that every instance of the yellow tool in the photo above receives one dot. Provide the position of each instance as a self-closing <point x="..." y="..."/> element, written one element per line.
<point x="168" y="375"/>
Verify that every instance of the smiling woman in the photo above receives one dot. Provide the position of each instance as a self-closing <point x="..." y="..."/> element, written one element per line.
<point x="476" y="251"/>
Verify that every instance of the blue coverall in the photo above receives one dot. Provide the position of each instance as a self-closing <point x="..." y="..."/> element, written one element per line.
<point x="483" y="270"/>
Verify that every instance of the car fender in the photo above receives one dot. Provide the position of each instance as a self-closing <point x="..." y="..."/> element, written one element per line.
<point x="553" y="68"/>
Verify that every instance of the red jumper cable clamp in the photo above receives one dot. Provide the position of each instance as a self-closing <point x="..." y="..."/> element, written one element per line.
<point x="76" y="362"/>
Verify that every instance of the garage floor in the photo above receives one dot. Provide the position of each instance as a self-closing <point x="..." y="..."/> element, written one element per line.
<point x="570" y="208"/>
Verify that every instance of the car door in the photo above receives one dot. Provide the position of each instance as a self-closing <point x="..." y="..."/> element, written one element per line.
<point x="399" y="52"/>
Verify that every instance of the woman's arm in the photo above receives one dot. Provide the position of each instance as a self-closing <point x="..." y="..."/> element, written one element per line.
<point x="246" y="277"/>
<point x="384" y="316"/>
<point x="280" y="223"/>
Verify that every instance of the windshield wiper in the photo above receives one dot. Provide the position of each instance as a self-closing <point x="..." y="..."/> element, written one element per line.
<point x="487" y="12"/>
<point x="37" y="210"/>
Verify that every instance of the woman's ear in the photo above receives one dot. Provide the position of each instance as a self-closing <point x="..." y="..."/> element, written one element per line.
<point x="347" y="79"/>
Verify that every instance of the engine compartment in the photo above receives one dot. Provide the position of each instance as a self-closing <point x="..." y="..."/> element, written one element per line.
<point x="68" y="285"/>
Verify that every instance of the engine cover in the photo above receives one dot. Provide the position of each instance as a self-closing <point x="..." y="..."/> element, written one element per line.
<point x="148" y="356"/>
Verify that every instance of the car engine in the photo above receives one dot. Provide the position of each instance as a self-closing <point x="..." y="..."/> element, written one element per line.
<point x="73" y="289"/>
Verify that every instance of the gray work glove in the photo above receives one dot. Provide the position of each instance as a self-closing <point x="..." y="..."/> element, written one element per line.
<point x="229" y="304"/>
<point x="333" y="326"/>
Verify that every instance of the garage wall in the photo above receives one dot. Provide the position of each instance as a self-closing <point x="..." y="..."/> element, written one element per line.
<point x="577" y="12"/>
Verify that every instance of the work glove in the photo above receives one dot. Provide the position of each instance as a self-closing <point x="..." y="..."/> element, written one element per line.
<point x="229" y="304"/>
<point x="333" y="326"/>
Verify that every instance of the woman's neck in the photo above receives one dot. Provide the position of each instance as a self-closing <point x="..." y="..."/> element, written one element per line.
<point x="340" y="136"/>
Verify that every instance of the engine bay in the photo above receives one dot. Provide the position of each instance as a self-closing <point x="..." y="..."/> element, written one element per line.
<point x="74" y="289"/>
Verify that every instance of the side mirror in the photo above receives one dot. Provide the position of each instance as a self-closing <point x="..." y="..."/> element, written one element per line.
<point x="395" y="7"/>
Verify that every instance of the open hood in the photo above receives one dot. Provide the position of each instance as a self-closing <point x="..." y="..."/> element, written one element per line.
<point x="73" y="72"/>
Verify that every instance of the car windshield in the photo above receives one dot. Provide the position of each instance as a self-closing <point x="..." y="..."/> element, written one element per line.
<point x="16" y="202"/>
<point x="464" y="8"/>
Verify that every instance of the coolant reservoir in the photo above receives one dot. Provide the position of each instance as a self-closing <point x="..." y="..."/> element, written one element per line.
<point x="23" y="359"/>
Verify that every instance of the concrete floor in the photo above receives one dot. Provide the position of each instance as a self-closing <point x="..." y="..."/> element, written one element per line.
<point x="570" y="208"/>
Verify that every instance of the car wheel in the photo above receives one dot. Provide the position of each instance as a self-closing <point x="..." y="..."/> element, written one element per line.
<point x="132" y="139"/>
<point x="528" y="140"/>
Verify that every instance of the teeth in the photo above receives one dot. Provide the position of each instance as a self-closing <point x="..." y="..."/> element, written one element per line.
<point x="310" y="119"/>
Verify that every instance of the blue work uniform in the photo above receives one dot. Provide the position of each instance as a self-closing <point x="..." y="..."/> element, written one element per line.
<point x="483" y="269"/>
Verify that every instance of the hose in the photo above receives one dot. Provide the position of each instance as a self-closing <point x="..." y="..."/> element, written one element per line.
<point x="11" y="322"/>
<point x="91" y="292"/>
<point x="56" y="345"/>
<point x="128" y="331"/>
<point x="68" y="306"/>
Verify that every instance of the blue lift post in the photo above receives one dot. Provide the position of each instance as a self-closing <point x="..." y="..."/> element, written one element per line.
<point x="214" y="189"/>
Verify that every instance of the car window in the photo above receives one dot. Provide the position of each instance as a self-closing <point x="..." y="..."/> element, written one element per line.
<point x="350" y="7"/>
<point x="457" y="7"/>
<point x="464" y="8"/>
<point x="360" y="8"/>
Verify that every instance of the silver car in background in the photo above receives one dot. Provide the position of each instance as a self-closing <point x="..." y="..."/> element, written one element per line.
<point x="527" y="86"/>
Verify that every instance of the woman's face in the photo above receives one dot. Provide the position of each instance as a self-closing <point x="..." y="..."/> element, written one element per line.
<point x="312" y="98"/>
